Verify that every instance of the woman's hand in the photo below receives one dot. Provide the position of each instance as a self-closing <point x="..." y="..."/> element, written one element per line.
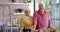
<point x="33" y="30"/>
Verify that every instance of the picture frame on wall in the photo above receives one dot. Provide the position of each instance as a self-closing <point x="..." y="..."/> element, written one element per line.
<point x="26" y="1"/>
<point x="29" y="1"/>
<point x="12" y="0"/>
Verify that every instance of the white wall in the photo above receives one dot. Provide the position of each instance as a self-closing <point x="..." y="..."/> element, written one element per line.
<point x="9" y="1"/>
<point x="12" y="7"/>
<point x="7" y="11"/>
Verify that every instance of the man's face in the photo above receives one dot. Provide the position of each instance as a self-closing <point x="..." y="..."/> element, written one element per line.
<point x="41" y="6"/>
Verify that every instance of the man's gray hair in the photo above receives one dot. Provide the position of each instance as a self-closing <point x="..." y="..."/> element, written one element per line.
<point x="42" y="3"/>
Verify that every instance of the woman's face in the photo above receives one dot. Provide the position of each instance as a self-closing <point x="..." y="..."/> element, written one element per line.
<point x="27" y="12"/>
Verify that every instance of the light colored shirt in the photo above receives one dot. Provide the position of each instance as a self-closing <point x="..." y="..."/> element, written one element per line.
<point x="41" y="20"/>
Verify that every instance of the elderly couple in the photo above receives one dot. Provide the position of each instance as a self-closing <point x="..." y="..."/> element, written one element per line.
<point x="40" y="21"/>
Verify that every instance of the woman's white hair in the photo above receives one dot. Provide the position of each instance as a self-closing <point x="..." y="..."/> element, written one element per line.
<point x="27" y="9"/>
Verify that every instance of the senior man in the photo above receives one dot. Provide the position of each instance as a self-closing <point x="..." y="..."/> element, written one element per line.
<point x="42" y="19"/>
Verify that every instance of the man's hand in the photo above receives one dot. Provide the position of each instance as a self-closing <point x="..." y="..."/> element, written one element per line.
<point x="53" y="28"/>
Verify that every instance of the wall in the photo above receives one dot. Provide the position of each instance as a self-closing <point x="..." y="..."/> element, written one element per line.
<point x="7" y="11"/>
<point x="9" y="1"/>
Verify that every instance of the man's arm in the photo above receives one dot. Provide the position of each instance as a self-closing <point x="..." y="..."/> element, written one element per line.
<point x="49" y="21"/>
<point x="50" y="24"/>
<point x="34" y="20"/>
<point x="51" y="27"/>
